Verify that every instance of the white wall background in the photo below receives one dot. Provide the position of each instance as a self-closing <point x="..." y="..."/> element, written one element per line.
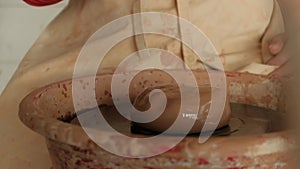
<point x="20" y="25"/>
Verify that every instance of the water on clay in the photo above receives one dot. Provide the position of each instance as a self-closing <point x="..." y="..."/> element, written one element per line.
<point x="245" y="120"/>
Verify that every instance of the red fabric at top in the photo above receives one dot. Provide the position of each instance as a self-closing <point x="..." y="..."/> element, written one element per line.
<point x="41" y="2"/>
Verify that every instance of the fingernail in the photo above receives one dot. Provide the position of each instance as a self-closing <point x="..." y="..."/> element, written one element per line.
<point x="273" y="48"/>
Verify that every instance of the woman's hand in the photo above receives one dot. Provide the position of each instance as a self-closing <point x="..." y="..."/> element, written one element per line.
<point x="279" y="49"/>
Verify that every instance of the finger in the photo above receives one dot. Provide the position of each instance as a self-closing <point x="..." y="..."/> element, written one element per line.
<point x="283" y="71"/>
<point x="280" y="59"/>
<point x="277" y="44"/>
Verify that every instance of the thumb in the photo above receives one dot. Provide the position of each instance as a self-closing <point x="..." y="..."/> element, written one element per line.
<point x="277" y="44"/>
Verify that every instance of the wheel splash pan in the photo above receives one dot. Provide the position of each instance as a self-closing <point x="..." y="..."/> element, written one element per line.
<point x="256" y="138"/>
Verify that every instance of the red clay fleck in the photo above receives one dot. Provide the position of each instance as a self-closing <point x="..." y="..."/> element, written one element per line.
<point x="231" y="159"/>
<point x="174" y="150"/>
<point x="202" y="161"/>
<point x="65" y="87"/>
<point x="106" y="93"/>
<point x="65" y="94"/>
<point x="232" y="74"/>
